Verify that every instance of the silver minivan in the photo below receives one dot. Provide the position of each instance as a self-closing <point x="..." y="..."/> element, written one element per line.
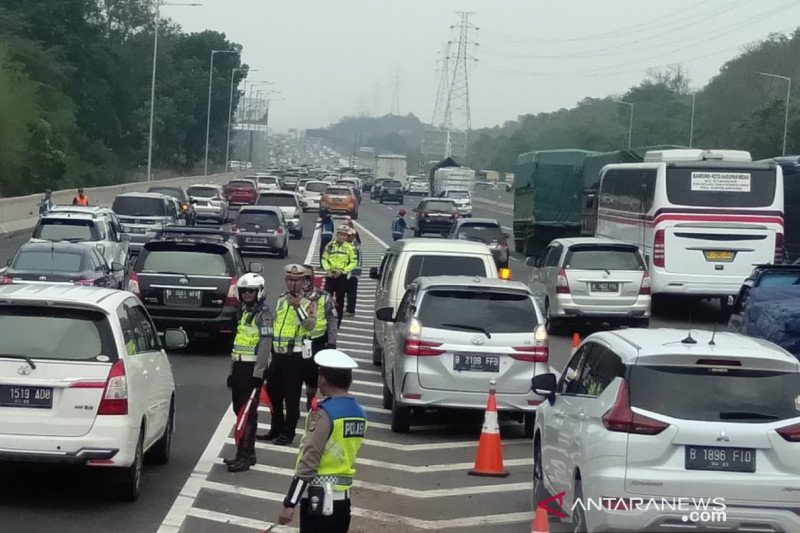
<point x="588" y="278"/>
<point x="452" y="335"/>
<point x="143" y="214"/>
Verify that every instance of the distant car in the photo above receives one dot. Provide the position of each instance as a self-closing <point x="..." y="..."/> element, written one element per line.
<point x="312" y="194"/>
<point x="391" y="191"/>
<point x="289" y="203"/>
<point x="434" y="215"/>
<point x="262" y="229"/>
<point x="419" y="187"/>
<point x="290" y="182"/>
<point x="762" y="275"/>
<point x="84" y="380"/>
<point x="485" y="230"/>
<point x="301" y="185"/>
<point x="62" y="262"/>
<point x="209" y="202"/>
<point x="353" y="183"/>
<point x="142" y="214"/>
<point x="375" y="192"/>
<point x="240" y="192"/>
<point x="463" y="199"/>
<point x="339" y="200"/>
<point x="451" y="335"/>
<point x="186" y="206"/>
<point x="639" y="418"/>
<point x="268" y="183"/>
<point x="591" y="278"/>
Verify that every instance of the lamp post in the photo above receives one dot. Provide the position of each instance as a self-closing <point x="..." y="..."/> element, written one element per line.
<point x="788" y="96"/>
<point x="208" y="111"/>
<point x="691" y="123"/>
<point x="230" y="114"/>
<point x="630" y="126"/>
<point x="158" y="4"/>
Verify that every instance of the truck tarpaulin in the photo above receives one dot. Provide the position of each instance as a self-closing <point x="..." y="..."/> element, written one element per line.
<point x="773" y="314"/>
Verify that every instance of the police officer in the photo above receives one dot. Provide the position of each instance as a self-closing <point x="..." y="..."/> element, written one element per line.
<point x="324" y="334"/>
<point x="338" y="260"/>
<point x="295" y="318"/>
<point x="325" y="467"/>
<point x="250" y="354"/>
<point x="352" y="280"/>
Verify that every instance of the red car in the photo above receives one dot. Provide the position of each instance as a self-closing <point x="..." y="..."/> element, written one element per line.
<point x="241" y="192"/>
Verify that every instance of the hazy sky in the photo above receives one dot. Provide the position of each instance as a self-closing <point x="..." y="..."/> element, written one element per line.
<point x="337" y="57"/>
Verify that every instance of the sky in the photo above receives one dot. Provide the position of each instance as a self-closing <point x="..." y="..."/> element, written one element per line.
<point x="331" y="58"/>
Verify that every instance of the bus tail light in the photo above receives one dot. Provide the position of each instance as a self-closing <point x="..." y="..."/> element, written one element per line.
<point x="778" y="249"/>
<point x="658" y="249"/>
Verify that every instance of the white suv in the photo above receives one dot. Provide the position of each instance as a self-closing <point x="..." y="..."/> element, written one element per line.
<point x="643" y="424"/>
<point x="95" y="390"/>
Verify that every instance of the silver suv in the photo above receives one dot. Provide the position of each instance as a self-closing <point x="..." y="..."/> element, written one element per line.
<point x="143" y="214"/>
<point x="451" y="335"/>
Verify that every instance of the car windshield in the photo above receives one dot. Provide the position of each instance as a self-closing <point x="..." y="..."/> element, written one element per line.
<point x="190" y="259"/>
<point x="48" y="261"/>
<point x="202" y="192"/>
<point x="317" y="186"/>
<point x="494" y="311"/>
<point x="443" y="265"/>
<point x="706" y="394"/>
<point x="65" y="230"/>
<point x="485" y="233"/>
<point x="278" y="200"/>
<point x="778" y="279"/>
<point x="438" y="205"/>
<point x="248" y="221"/>
<point x="603" y="258"/>
<point x="166" y="191"/>
<point x="72" y="334"/>
<point x="241" y="184"/>
<point x="337" y="191"/>
<point x="139" y="206"/>
<point x="460" y="195"/>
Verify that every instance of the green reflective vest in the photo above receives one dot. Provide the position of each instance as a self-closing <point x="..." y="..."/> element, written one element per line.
<point x="288" y="332"/>
<point x="322" y="321"/>
<point x="246" y="341"/>
<point x="340" y="257"/>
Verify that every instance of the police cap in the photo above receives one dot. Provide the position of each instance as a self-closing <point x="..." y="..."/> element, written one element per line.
<point x="294" y="271"/>
<point x="329" y="358"/>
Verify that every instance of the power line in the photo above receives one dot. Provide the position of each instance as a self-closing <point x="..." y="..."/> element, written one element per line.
<point x="438" y="117"/>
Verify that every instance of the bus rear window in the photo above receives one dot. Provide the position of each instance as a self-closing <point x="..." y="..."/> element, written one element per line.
<point x="721" y="187"/>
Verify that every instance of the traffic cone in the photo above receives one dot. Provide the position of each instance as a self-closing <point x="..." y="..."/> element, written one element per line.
<point x="576" y="342"/>
<point x="540" y="523"/>
<point x="489" y="458"/>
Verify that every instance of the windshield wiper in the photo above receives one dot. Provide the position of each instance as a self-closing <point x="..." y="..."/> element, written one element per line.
<point x="737" y="415"/>
<point x="20" y="356"/>
<point x="470" y="328"/>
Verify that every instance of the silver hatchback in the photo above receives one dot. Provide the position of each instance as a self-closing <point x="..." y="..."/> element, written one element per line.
<point x="590" y="278"/>
<point x="451" y="336"/>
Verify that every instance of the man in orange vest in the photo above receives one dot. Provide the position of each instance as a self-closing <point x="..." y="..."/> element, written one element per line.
<point x="81" y="199"/>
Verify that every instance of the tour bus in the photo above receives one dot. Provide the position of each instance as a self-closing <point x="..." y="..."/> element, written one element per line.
<point x="702" y="218"/>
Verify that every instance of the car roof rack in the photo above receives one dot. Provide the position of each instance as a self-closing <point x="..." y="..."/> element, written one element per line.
<point x="193" y="234"/>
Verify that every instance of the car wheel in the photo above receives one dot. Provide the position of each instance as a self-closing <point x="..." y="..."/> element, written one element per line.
<point x="554" y="325"/>
<point x="380" y="200"/>
<point x="299" y="234"/>
<point x="377" y="353"/>
<point x="355" y="216"/>
<point x="159" y="453"/>
<point x="578" y="515"/>
<point x="529" y="420"/>
<point x="130" y="477"/>
<point x="641" y="323"/>
<point x="401" y="418"/>
<point x="387" y="394"/>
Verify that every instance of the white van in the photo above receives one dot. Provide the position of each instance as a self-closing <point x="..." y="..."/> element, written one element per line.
<point x="409" y="259"/>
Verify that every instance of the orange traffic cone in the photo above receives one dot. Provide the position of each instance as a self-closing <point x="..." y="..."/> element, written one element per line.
<point x="576" y="342"/>
<point x="489" y="458"/>
<point x="540" y="523"/>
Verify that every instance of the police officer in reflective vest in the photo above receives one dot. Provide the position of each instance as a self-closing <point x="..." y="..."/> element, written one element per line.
<point x="335" y="429"/>
<point x="295" y="318"/>
<point x="338" y="260"/>
<point x="324" y="334"/>
<point x="250" y="355"/>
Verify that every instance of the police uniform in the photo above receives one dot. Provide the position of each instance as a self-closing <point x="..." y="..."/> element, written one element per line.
<point x="325" y="468"/>
<point x="352" y="280"/>
<point x="324" y="335"/>
<point x="339" y="257"/>
<point x="285" y="372"/>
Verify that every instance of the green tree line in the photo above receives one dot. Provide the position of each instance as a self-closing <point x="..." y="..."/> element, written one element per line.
<point x="75" y="80"/>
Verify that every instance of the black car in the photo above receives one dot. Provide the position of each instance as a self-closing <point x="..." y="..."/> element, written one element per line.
<point x="61" y="262"/>
<point x="391" y="191"/>
<point x="762" y="276"/>
<point x="187" y="206"/>
<point x="484" y="230"/>
<point x="186" y="277"/>
<point x="434" y="215"/>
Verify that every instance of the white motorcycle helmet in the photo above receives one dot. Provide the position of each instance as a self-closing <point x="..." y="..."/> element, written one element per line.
<point x="252" y="281"/>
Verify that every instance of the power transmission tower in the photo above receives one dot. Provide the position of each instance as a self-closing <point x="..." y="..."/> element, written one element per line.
<point x="438" y="119"/>
<point x="457" y="111"/>
<point x="396" y="95"/>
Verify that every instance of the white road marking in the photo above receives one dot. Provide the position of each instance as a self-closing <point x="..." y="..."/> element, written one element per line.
<point x="410" y="447"/>
<point x="225" y="518"/>
<point x="355" y="336"/>
<point x="312" y="246"/>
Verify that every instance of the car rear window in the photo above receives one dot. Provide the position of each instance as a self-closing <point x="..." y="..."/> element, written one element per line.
<point x="706" y="394"/>
<point x="47" y="261"/>
<point x="72" y="334"/>
<point x="338" y="190"/>
<point x="458" y="194"/>
<point x="249" y="220"/>
<point x="439" y="205"/>
<point x="278" y="200"/>
<point x="485" y="233"/>
<point x="779" y="279"/>
<point x="603" y="258"/>
<point x="444" y="265"/>
<point x="392" y="184"/>
<point x="494" y="311"/>
<point x="66" y="230"/>
<point x="202" y="192"/>
<point x="317" y="186"/>
<point x="268" y="181"/>
<point x="174" y="193"/>
<point x="244" y="184"/>
<point x="184" y="258"/>
<point x="136" y="206"/>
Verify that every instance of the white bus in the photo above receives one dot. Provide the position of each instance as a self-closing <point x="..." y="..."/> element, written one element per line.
<point x="701" y="218"/>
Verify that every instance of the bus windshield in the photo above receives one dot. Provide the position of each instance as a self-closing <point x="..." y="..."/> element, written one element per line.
<point x="718" y="187"/>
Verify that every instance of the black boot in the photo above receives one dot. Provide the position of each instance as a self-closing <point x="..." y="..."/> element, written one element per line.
<point x="284" y="440"/>
<point x="268" y="436"/>
<point x="246" y="454"/>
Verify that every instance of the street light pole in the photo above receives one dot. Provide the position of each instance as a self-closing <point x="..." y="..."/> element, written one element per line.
<point x="630" y="126"/>
<point x="788" y="96"/>
<point x="230" y="115"/>
<point x="691" y="124"/>
<point x="208" y="111"/>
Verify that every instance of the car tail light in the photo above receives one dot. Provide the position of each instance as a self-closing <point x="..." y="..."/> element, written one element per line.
<point x="562" y="284"/>
<point x="279" y="231"/>
<point x="84" y="282"/>
<point x="133" y="284"/>
<point x="418" y="348"/>
<point x="778" y="248"/>
<point x="658" y="249"/>
<point x="503" y="244"/>
<point x="115" y="394"/>
<point x="6" y="280"/>
<point x="622" y="419"/>
<point x="644" y="288"/>
<point x="539" y="352"/>
<point x="790" y="433"/>
<point x="232" y="299"/>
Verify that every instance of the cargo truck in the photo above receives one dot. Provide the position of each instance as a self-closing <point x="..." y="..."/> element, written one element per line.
<point x="390" y="166"/>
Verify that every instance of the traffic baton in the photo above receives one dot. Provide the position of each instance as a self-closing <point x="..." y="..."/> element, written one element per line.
<point x="264" y="397"/>
<point x="576" y="342"/>
<point x="241" y="418"/>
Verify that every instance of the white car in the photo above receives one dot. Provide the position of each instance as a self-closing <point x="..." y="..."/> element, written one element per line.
<point x="289" y="203"/>
<point x="95" y="390"/>
<point x="267" y="182"/>
<point x="644" y="423"/>
<point x="462" y="198"/>
<point x="312" y="194"/>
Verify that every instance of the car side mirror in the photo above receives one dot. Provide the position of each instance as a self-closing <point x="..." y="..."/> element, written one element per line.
<point x="373" y="273"/>
<point x="255" y="267"/>
<point x="385" y="314"/>
<point x="117" y="267"/>
<point x="545" y="385"/>
<point x="175" y="339"/>
<point x="532" y="261"/>
<point x="730" y="300"/>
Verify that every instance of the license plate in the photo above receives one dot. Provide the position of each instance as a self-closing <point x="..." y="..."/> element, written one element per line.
<point x="138" y="230"/>
<point x="604" y="286"/>
<point x="182" y="297"/>
<point x="722" y="256"/>
<point x="256" y="239"/>
<point x="476" y="363"/>
<point x="719" y="458"/>
<point x="24" y="396"/>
